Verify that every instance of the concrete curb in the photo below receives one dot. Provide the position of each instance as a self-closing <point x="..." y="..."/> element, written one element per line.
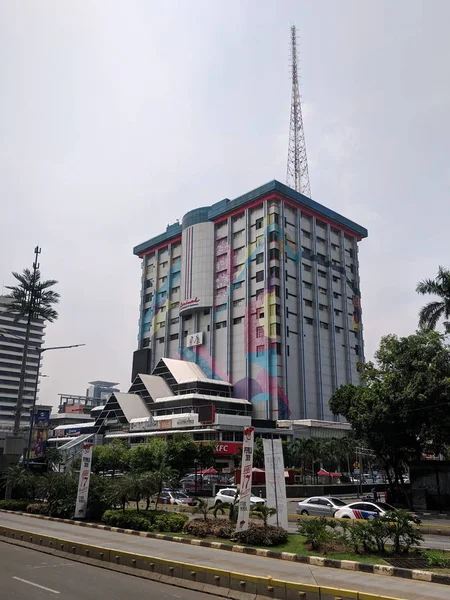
<point x="316" y="561"/>
<point x="238" y="586"/>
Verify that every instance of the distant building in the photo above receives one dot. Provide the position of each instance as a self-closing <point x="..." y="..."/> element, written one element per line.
<point x="101" y="389"/>
<point x="11" y="348"/>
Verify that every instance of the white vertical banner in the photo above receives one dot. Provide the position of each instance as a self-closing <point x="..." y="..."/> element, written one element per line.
<point x="245" y="488"/>
<point x="83" y="482"/>
<point x="275" y="482"/>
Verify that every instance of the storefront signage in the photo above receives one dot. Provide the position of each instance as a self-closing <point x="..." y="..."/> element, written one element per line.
<point x="194" y="339"/>
<point x="165" y="424"/>
<point x="72" y="431"/>
<point x="144" y="424"/>
<point x="189" y="303"/>
<point x="228" y="448"/>
<point x="185" y="421"/>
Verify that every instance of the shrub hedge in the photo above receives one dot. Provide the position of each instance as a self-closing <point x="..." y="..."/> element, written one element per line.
<point x="19" y="505"/>
<point x="145" y="520"/>
<point x="38" y="508"/>
<point x="256" y="535"/>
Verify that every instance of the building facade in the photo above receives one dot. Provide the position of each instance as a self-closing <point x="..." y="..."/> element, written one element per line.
<point x="261" y="291"/>
<point x="11" y="348"/>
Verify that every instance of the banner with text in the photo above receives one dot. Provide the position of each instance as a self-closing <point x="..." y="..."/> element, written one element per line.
<point x="83" y="482"/>
<point x="246" y="480"/>
<point x="275" y="482"/>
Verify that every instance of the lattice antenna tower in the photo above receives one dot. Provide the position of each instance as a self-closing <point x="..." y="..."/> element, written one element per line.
<point x="297" y="164"/>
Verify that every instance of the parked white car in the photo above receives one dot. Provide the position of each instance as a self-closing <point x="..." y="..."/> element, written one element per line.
<point x="227" y="496"/>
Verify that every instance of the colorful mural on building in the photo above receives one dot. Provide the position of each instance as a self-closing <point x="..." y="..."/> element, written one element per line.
<point x="263" y="317"/>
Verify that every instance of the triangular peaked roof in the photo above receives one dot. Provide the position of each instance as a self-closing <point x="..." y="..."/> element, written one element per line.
<point x="150" y="387"/>
<point x="124" y="407"/>
<point x="184" y="371"/>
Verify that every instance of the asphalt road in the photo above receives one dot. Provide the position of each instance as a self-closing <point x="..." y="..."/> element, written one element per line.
<point x="26" y="574"/>
<point x="232" y="561"/>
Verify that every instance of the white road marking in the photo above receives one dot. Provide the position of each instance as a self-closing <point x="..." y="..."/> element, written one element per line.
<point x="48" y="566"/>
<point x="37" y="585"/>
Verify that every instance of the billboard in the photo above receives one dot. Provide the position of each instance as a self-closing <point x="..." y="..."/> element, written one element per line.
<point x="41" y="422"/>
<point x="83" y="482"/>
<point x="275" y="482"/>
<point x="245" y="490"/>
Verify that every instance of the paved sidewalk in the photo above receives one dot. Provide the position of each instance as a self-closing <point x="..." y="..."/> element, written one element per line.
<point x="241" y="563"/>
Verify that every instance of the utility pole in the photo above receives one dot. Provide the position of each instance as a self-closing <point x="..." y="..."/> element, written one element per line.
<point x="297" y="163"/>
<point x="31" y="301"/>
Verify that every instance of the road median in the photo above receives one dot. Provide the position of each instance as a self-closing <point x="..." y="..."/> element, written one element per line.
<point x="239" y="586"/>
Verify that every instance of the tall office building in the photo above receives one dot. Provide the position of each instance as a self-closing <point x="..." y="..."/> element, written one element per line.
<point x="11" y="347"/>
<point x="262" y="291"/>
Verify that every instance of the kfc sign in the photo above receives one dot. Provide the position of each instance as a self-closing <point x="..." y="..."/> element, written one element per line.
<point x="228" y="448"/>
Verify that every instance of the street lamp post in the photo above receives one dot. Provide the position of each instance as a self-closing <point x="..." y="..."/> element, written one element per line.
<point x="40" y="351"/>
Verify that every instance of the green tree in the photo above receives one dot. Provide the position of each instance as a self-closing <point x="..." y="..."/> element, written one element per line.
<point x="431" y="313"/>
<point x="147" y="456"/>
<point x="21" y="481"/>
<point x="114" y="456"/>
<point x="258" y="454"/>
<point x="53" y="456"/>
<point x="401" y="408"/>
<point x="30" y="299"/>
<point x="118" y="492"/>
<point x="149" y="487"/>
<point x="181" y="452"/>
<point x="134" y="481"/>
<point x="59" y="490"/>
<point x="298" y="454"/>
<point x="206" y="454"/>
<point x="312" y="451"/>
<point x="163" y="476"/>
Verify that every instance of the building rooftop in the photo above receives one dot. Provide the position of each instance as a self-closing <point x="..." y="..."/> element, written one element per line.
<point x="225" y="206"/>
<point x="184" y="371"/>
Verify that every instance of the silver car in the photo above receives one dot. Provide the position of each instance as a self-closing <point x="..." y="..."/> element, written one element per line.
<point x="320" y="506"/>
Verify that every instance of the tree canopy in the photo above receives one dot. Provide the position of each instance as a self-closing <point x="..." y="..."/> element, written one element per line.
<point x="401" y="407"/>
<point x="431" y="313"/>
<point x="32" y="296"/>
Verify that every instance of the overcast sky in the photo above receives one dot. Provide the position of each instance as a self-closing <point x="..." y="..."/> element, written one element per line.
<point x="116" y="118"/>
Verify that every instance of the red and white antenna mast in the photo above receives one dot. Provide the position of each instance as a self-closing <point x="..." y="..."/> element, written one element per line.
<point x="297" y="164"/>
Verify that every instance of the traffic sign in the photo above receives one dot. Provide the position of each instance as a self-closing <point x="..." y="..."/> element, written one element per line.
<point x="356" y="465"/>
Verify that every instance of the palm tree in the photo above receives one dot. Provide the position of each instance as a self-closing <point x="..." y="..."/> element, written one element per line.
<point x="118" y="492"/>
<point x="30" y="299"/>
<point x="432" y="312"/>
<point x="163" y="476"/>
<point x="18" y="478"/>
<point x="264" y="513"/>
<point x="203" y="508"/>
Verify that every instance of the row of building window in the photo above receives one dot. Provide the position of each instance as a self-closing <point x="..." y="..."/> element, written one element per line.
<point x="274" y="346"/>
